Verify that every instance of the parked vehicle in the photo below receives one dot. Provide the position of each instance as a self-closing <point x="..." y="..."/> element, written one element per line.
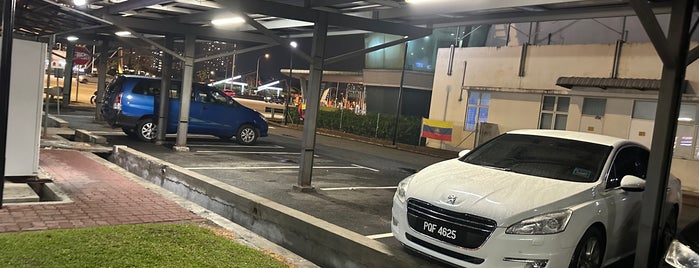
<point x="530" y="198"/>
<point x="275" y="99"/>
<point x="93" y="98"/>
<point x="683" y="252"/>
<point x="131" y="102"/>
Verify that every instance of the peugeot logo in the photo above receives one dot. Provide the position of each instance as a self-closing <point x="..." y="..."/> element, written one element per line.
<point x="451" y="199"/>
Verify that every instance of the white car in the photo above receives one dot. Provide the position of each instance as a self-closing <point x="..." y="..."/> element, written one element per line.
<point x="530" y="198"/>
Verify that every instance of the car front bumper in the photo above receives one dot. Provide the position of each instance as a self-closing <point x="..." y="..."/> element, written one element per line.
<point x="500" y="250"/>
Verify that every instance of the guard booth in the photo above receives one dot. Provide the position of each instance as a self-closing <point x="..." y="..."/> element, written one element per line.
<point x="24" y="124"/>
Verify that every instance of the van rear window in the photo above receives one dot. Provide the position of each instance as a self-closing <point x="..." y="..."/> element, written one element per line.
<point x="147" y="87"/>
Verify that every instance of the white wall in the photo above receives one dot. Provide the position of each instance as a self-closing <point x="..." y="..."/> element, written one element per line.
<point x="516" y="101"/>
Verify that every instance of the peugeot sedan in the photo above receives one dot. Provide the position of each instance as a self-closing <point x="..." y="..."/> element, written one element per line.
<point x="530" y="198"/>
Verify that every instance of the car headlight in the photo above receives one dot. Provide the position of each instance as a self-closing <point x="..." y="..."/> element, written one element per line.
<point x="402" y="186"/>
<point x="549" y="223"/>
<point x="680" y="255"/>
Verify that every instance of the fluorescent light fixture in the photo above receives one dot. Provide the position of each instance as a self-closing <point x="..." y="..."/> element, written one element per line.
<point x="80" y="2"/>
<point x="267" y="86"/>
<point x="72" y="38"/>
<point x="227" y="21"/>
<point x="685" y="119"/>
<point x="123" y="33"/>
<point x="227" y="80"/>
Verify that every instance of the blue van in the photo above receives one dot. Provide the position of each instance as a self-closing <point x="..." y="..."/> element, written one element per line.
<point x="131" y="102"/>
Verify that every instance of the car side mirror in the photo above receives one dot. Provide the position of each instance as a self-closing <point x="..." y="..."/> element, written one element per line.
<point x="633" y="184"/>
<point x="464" y="152"/>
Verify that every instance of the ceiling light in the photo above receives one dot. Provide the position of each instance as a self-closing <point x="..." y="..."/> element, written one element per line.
<point x="72" y="38"/>
<point x="227" y="21"/>
<point x="123" y="33"/>
<point x="80" y="2"/>
<point x="294" y="44"/>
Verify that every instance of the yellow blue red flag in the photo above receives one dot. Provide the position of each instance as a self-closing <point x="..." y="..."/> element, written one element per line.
<point x="435" y="129"/>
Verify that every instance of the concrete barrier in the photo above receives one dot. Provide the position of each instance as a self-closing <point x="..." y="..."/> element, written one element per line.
<point x="57" y="122"/>
<point x="87" y="136"/>
<point x="317" y="240"/>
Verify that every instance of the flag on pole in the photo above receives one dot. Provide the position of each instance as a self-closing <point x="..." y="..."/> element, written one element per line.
<point x="435" y="129"/>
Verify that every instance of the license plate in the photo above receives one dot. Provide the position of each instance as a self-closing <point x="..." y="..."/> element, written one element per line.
<point x="436" y="229"/>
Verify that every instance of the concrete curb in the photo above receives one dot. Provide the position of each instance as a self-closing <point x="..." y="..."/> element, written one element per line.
<point x="242" y="235"/>
<point x="317" y="240"/>
<point x="690" y="198"/>
<point x="87" y="136"/>
<point x="57" y="122"/>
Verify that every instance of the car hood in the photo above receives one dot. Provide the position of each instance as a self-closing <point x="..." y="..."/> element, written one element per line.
<point x="503" y="196"/>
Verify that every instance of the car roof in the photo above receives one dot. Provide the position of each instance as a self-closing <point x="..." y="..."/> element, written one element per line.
<point x="138" y="76"/>
<point x="574" y="135"/>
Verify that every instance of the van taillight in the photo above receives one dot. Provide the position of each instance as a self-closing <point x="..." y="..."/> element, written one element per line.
<point x="117" y="102"/>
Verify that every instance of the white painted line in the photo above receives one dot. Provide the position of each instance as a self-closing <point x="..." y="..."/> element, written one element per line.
<point x="235" y="146"/>
<point x="74" y="116"/>
<point x="358" y="188"/>
<point x="108" y="132"/>
<point x="374" y="170"/>
<point x="234" y="152"/>
<point x="277" y="167"/>
<point x="379" y="236"/>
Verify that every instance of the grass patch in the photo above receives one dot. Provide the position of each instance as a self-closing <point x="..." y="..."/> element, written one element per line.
<point x="144" y="245"/>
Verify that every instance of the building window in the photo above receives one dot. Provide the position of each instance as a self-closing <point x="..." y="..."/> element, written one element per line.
<point x="554" y="112"/>
<point x="477" y="109"/>
<point x="595" y="107"/>
<point x="644" y="110"/>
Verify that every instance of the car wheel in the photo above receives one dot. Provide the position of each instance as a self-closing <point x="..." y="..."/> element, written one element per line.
<point x="589" y="251"/>
<point x="247" y="135"/>
<point x="146" y="130"/>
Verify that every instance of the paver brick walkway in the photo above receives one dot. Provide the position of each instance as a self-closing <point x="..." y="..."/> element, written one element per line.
<point x="100" y="197"/>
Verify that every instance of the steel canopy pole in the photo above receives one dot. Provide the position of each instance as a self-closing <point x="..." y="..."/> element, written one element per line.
<point x="654" y="212"/>
<point x="320" y="34"/>
<point x="8" y="26"/>
<point x="399" y="103"/>
<point x="185" y="97"/>
<point x="164" y="92"/>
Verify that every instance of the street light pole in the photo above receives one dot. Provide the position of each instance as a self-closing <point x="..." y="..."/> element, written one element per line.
<point x="257" y="70"/>
<point x="293" y="45"/>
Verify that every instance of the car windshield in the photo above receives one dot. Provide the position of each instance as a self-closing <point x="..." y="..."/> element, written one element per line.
<point x="548" y="157"/>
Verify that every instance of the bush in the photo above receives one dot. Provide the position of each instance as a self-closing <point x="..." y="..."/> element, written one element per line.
<point x="372" y="125"/>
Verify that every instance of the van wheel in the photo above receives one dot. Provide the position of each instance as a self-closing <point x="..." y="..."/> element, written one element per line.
<point x="247" y="135"/>
<point x="146" y="130"/>
<point x="589" y="251"/>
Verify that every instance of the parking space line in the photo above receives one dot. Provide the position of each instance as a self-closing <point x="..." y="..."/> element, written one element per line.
<point x="358" y="188"/>
<point x="277" y="167"/>
<point x="234" y="152"/>
<point x="236" y="146"/>
<point x="379" y="236"/>
<point x="109" y="133"/>
<point x="372" y="169"/>
<point x="75" y="116"/>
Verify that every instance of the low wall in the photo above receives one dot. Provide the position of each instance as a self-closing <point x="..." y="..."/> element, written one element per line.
<point x="317" y="240"/>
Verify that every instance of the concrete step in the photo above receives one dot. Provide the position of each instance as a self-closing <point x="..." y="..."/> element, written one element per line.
<point x="18" y="193"/>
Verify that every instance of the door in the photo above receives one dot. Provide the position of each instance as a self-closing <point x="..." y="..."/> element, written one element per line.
<point x="624" y="207"/>
<point x="214" y="112"/>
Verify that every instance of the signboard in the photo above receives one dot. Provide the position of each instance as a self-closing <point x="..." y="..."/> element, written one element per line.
<point x="82" y="56"/>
